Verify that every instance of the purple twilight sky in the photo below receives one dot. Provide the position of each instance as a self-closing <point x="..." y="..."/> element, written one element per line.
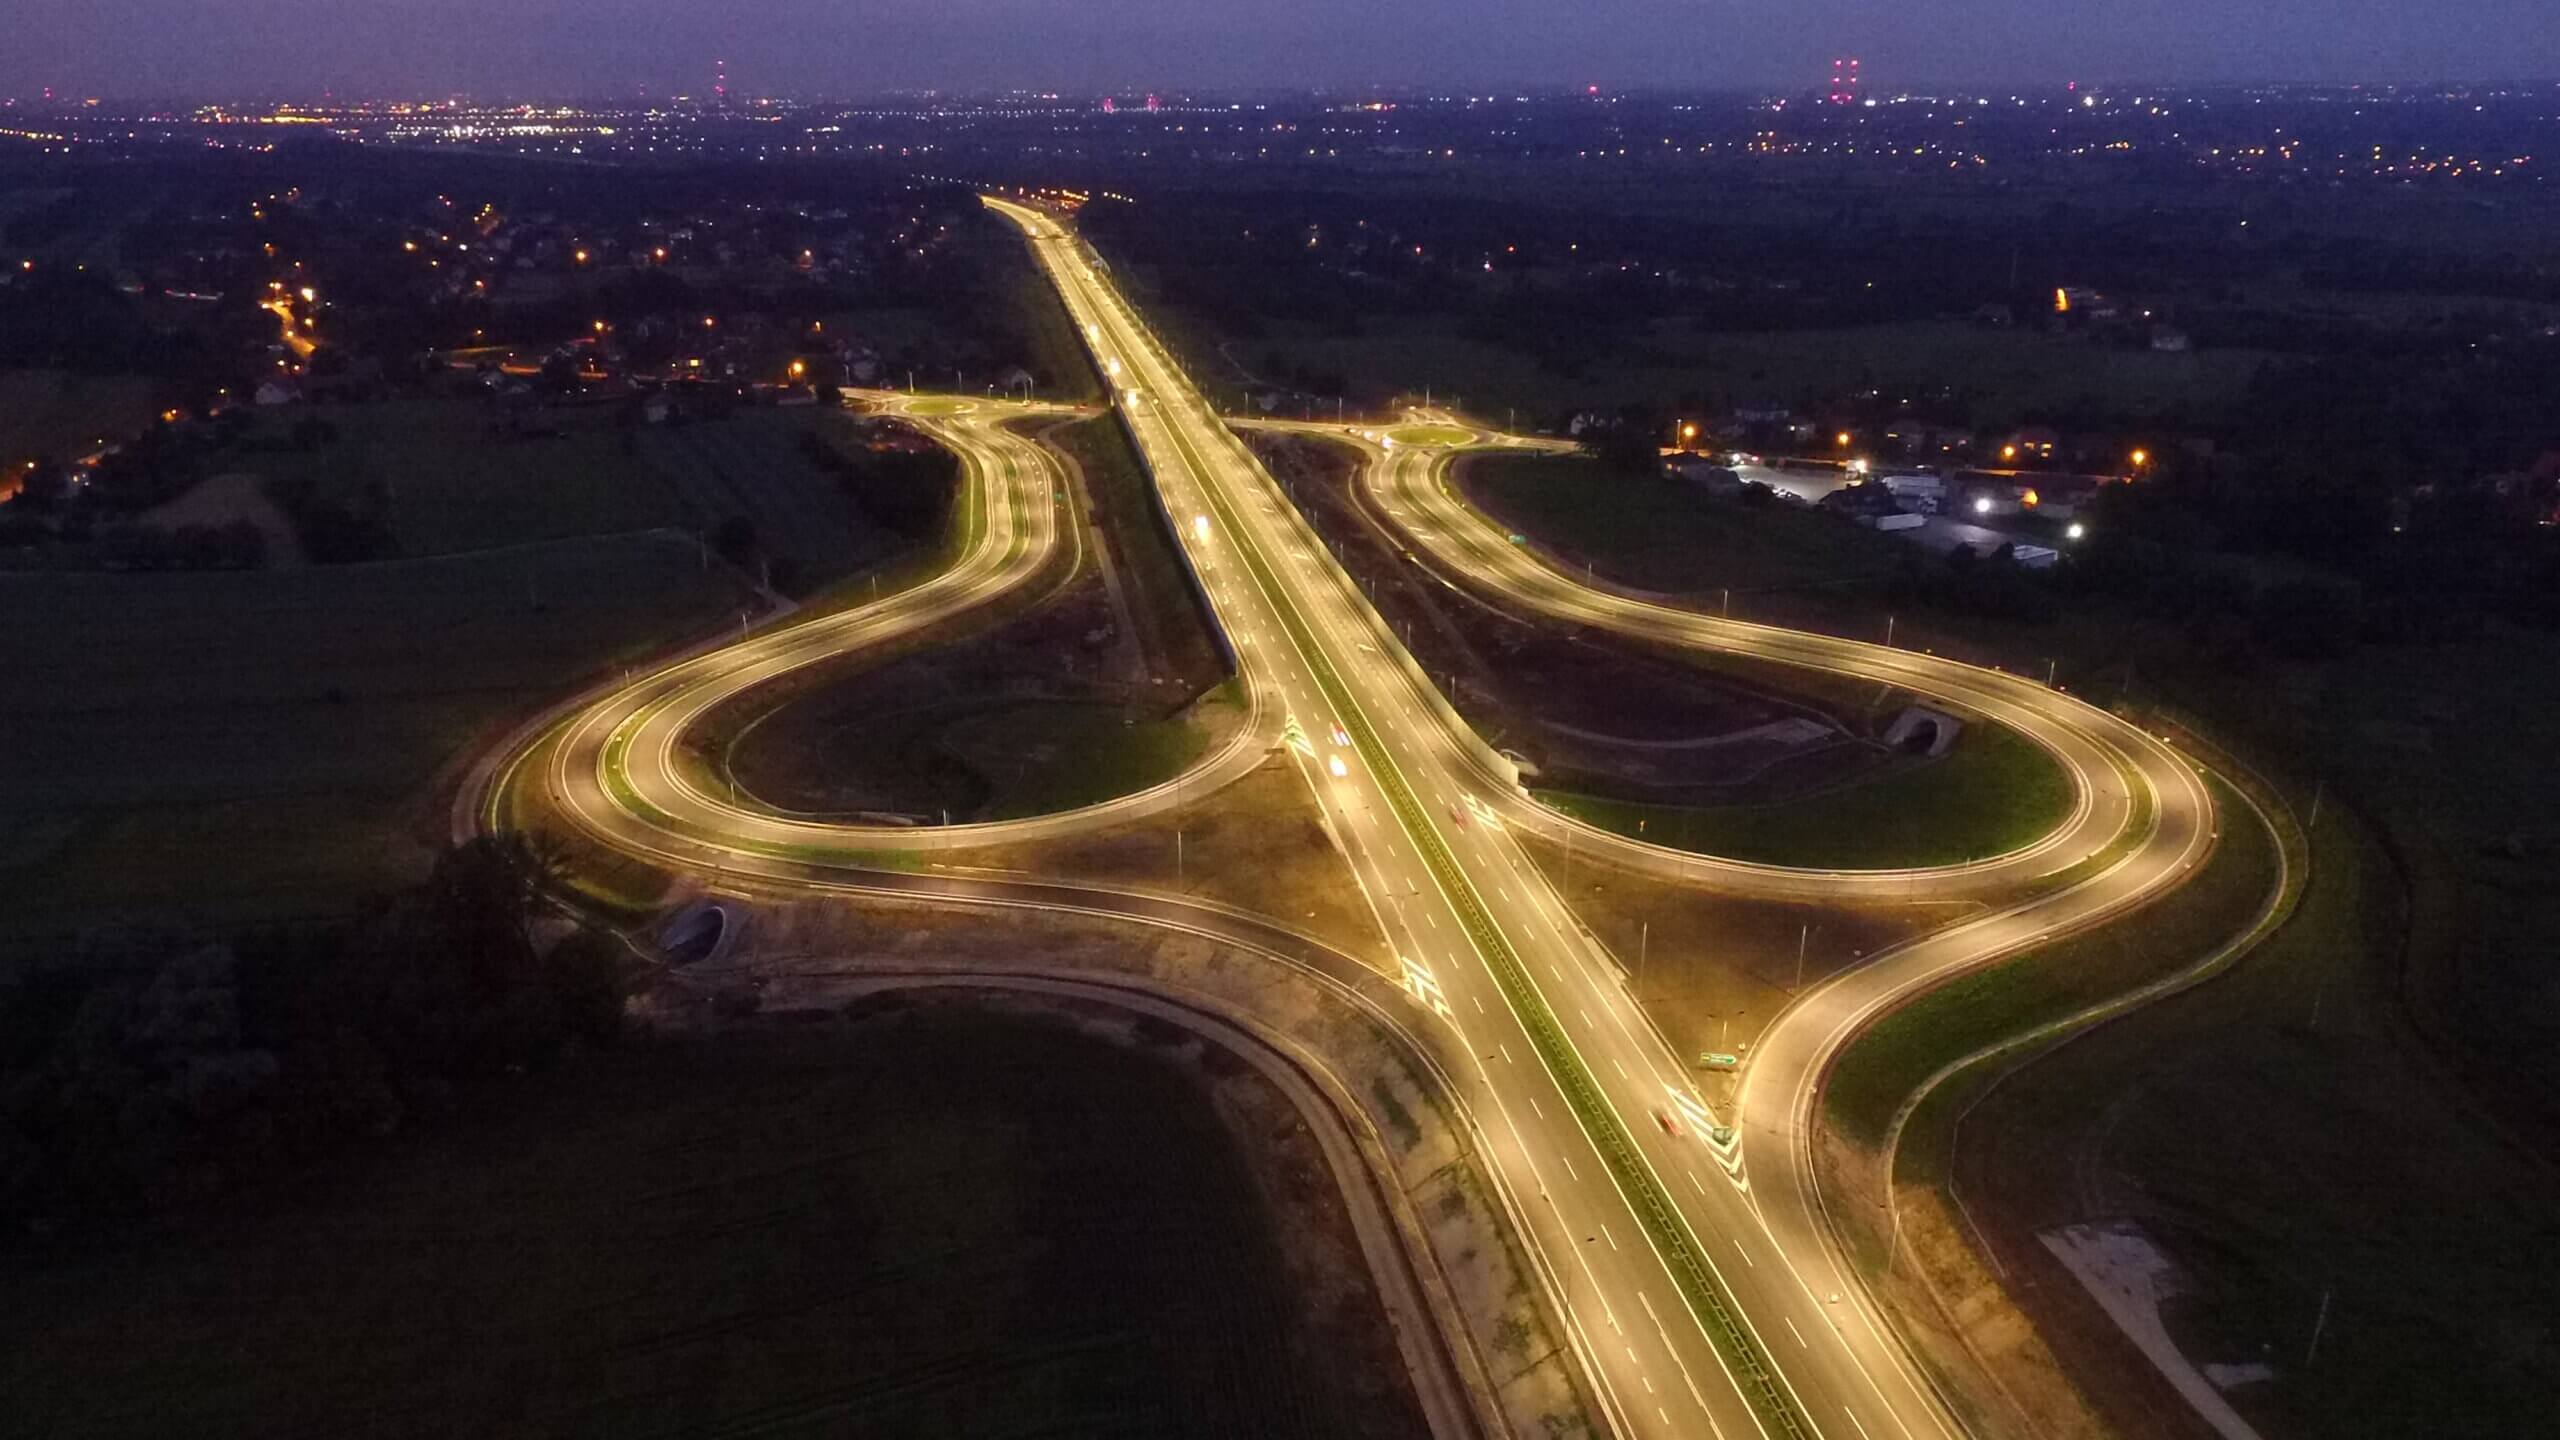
<point x="846" y="47"/>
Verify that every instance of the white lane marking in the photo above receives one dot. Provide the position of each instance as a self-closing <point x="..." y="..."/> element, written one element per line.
<point x="1506" y="1054"/>
<point x="1792" y="1330"/>
<point x="1694" y="1185"/>
<point x="1746" y="1255"/>
<point x="1604" y="1231"/>
<point x="1622" y="1070"/>
<point x="1479" y="1003"/>
<point x="1853" y="1419"/>
<point x="1534" y="1105"/>
<point x="1569" y="1170"/>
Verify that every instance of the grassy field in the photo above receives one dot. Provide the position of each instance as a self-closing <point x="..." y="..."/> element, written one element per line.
<point x="754" y="465"/>
<point x="453" y="480"/>
<point x="1057" y="354"/>
<point x="1885" y="1064"/>
<point x="1046" y="757"/>
<point x="1992" y="792"/>
<point x="942" y="1222"/>
<point x="2288" y="1138"/>
<point x="1173" y="629"/>
<point x="1668" y="535"/>
<point x="2009" y="372"/>
<point x="236" y="745"/>
<point x="970" y="759"/>
<point x="48" y="412"/>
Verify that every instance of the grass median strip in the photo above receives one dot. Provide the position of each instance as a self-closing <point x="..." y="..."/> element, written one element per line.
<point x="1896" y="1054"/>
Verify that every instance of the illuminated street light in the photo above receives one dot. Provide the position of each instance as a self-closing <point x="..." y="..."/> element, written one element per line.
<point x="2141" y="458"/>
<point x="2075" y="531"/>
<point x="1841" y="439"/>
<point x="798" y="369"/>
<point x="1982" y="506"/>
<point x="308" y="295"/>
<point x="1688" y="432"/>
<point x="2008" y="452"/>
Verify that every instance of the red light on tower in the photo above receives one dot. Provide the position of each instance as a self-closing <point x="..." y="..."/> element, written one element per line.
<point x="720" y="83"/>
<point x="1153" y="105"/>
<point x="1109" y="105"/>
<point x="1844" y="81"/>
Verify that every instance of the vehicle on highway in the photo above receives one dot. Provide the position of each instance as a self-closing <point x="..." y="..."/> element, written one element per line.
<point x="1341" y="736"/>
<point x="1670" y="1124"/>
<point x="1334" y="764"/>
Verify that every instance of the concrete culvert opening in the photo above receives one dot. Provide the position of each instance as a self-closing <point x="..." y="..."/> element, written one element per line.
<point x="694" y="935"/>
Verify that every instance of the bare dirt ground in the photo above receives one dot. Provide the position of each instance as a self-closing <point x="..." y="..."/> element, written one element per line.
<point x="1713" y="969"/>
<point x="1596" y="713"/>
<point x="223" y="499"/>
<point x="1254" y="843"/>
<point x="879" y="737"/>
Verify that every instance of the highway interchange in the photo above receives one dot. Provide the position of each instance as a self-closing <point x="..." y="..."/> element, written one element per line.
<point x="1704" y="1291"/>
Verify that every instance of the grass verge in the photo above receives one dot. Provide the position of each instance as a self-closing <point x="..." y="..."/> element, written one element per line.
<point x="1991" y="793"/>
<point x="1886" y="1063"/>
<point x="917" y="1226"/>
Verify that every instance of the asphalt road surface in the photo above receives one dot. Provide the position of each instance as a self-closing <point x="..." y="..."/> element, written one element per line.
<point x="1703" y="1293"/>
<point x="1702" y="1308"/>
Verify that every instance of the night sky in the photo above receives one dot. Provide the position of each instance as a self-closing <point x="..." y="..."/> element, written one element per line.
<point x="296" y="48"/>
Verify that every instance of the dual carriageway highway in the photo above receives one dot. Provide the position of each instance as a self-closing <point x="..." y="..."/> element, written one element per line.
<point x="1706" y="1295"/>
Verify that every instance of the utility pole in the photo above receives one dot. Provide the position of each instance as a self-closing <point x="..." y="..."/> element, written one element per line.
<point x="2051" y="665"/>
<point x="2316" y="1327"/>
<point x="2314" y="822"/>
<point x="1803" y="933"/>
<point x="1644" y="940"/>
<point x="1888" y="631"/>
